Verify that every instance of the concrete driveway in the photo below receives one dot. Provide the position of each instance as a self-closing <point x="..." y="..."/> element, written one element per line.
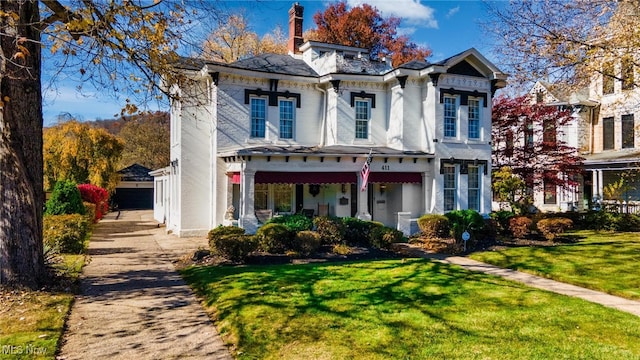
<point x="133" y="304"/>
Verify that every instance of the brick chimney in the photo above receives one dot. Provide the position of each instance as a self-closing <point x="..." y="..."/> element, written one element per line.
<point x="295" y="29"/>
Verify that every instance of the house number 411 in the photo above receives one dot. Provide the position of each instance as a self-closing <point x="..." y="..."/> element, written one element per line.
<point x="386" y="167"/>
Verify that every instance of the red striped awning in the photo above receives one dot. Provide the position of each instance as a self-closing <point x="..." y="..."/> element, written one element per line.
<point x="395" y="177"/>
<point x="276" y="177"/>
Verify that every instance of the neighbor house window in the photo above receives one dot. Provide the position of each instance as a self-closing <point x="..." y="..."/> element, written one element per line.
<point x="607" y="133"/>
<point x="449" y="173"/>
<point x="528" y="134"/>
<point x="549" y="132"/>
<point x="261" y="197"/>
<point x="282" y="197"/>
<point x="258" y="117"/>
<point x="363" y="114"/>
<point x="550" y="191"/>
<point x="627" y="73"/>
<point x="508" y="143"/>
<point x="450" y="116"/>
<point x="628" y="131"/>
<point x="608" y="77"/>
<point x="474" y="118"/>
<point x="286" y="119"/>
<point x="474" y="188"/>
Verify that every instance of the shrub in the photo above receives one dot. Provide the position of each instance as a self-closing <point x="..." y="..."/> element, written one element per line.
<point x="383" y="236"/>
<point x="306" y="242"/>
<point x="274" y="238"/>
<point x="65" y="199"/>
<point x="90" y="212"/>
<point x="341" y="249"/>
<point x="629" y="222"/>
<point x="220" y="231"/>
<point x="356" y="231"/>
<point x="331" y="229"/>
<point x="95" y="195"/>
<point x="295" y="222"/>
<point x="65" y="233"/>
<point x="235" y="247"/>
<point x="502" y="220"/>
<point x="520" y="226"/>
<point x="552" y="227"/>
<point x="434" y="225"/>
<point x="465" y="220"/>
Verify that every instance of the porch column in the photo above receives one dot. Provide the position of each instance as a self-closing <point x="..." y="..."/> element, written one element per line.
<point x="363" y="201"/>
<point x="248" y="220"/>
<point x="600" y="184"/>
<point x="427" y="185"/>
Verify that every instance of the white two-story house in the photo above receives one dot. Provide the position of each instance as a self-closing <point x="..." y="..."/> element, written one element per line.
<point x="276" y="134"/>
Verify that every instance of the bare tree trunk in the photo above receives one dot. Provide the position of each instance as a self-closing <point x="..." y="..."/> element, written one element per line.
<point x="21" y="192"/>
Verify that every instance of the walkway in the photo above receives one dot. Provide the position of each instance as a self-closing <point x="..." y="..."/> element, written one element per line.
<point x="134" y="305"/>
<point x="538" y="282"/>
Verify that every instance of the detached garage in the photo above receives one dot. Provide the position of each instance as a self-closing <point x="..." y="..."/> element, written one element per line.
<point x="135" y="190"/>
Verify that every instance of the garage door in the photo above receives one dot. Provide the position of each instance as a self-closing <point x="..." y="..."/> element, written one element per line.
<point x="134" y="198"/>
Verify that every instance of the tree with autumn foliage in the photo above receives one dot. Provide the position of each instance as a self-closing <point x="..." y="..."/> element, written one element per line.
<point x="528" y="140"/>
<point x="146" y="140"/>
<point x="122" y="47"/>
<point x="232" y="40"/>
<point x="363" y="26"/>
<point x="81" y="153"/>
<point x="567" y="42"/>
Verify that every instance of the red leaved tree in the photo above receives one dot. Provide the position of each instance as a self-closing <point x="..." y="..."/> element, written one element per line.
<point x="529" y="139"/>
<point x="363" y="26"/>
<point x="97" y="196"/>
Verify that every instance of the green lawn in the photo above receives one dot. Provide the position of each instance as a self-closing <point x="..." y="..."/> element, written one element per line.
<point x="403" y="309"/>
<point x="31" y="322"/>
<point x="607" y="262"/>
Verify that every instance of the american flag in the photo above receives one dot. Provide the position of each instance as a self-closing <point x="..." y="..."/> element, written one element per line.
<point x="364" y="173"/>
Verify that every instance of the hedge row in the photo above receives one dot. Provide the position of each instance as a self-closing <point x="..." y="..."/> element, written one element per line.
<point x="293" y="234"/>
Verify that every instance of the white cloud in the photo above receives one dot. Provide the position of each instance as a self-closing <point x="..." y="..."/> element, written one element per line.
<point x="453" y="11"/>
<point x="411" y="10"/>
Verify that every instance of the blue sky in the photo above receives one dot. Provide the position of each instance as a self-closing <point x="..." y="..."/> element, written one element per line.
<point x="446" y="27"/>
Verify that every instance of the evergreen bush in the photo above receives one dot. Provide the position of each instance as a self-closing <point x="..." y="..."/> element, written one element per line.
<point x="294" y="222"/>
<point x="383" y="236"/>
<point x="331" y="229"/>
<point x="65" y="199"/>
<point x="216" y="233"/>
<point x="552" y="227"/>
<point x="465" y="220"/>
<point x="233" y="246"/>
<point x="434" y="226"/>
<point x="274" y="238"/>
<point x="306" y="242"/>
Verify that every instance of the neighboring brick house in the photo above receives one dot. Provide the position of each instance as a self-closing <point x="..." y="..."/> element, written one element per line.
<point x="604" y="132"/>
<point x="290" y="133"/>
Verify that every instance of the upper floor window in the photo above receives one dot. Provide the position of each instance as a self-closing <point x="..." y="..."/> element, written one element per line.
<point x="450" y="116"/>
<point x="258" y="117"/>
<point x="474" y="118"/>
<point x="607" y="133"/>
<point x="474" y="188"/>
<point x="627" y="73"/>
<point x="449" y="173"/>
<point x="528" y="134"/>
<point x="628" y="131"/>
<point x="608" y="77"/>
<point x="363" y="114"/>
<point x="549" y="132"/>
<point x="286" y="119"/>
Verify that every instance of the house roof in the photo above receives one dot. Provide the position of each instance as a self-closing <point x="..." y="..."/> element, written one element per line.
<point x="334" y="150"/>
<point x="135" y="172"/>
<point x="274" y="63"/>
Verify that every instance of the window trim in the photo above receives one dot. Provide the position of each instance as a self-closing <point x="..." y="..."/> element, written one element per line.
<point x="453" y="190"/>
<point x="611" y="120"/>
<point x="628" y="134"/>
<point x="293" y="119"/>
<point x="256" y="134"/>
<point x="456" y="107"/>
<point x="477" y="188"/>
<point x="368" y="120"/>
<point x="478" y="119"/>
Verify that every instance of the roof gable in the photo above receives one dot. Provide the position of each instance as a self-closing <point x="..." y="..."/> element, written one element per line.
<point x="464" y="68"/>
